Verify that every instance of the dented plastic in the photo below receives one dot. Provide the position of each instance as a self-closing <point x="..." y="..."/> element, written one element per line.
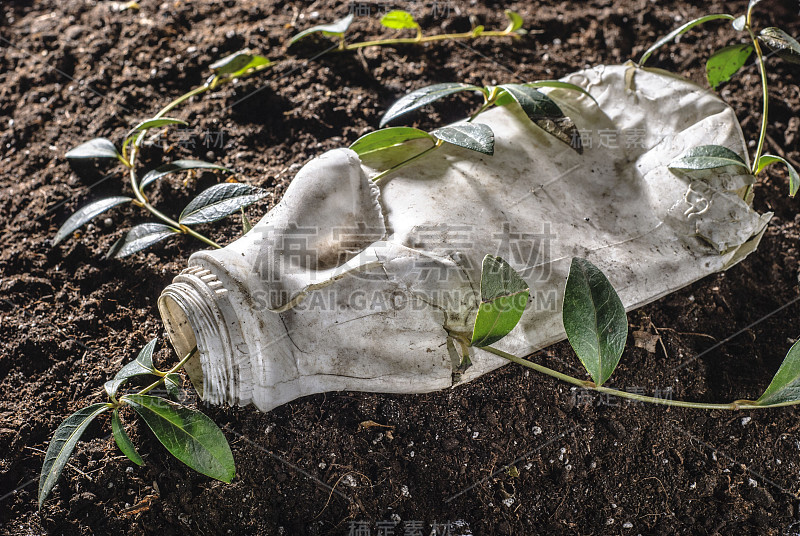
<point x="346" y="284"/>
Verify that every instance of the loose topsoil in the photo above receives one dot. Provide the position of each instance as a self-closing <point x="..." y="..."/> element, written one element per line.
<point x="522" y="454"/>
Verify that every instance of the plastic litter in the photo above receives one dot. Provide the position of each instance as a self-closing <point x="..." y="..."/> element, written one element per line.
<point x="349" y="285"/>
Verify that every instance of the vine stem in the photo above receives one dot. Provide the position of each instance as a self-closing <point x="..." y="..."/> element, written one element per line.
<point x="762" y="69"/>
<point x="735" y="405"/>
<point x="428" y="39"/>
<point x="173" y="370"/>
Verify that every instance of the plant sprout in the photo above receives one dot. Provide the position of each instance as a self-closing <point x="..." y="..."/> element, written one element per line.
<point x="720" y="67"/>
<point x="187" y="434"/>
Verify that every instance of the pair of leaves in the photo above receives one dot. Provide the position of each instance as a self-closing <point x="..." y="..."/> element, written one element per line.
<point x="473" y="136"/>
<point x="697" y="160"/>
<point x="539" y="108"/>
<point x="211" y="205"/>
<point x="593" y="315"/>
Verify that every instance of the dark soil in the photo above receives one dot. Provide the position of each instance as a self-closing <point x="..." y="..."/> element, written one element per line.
<point x="70" y="71"/>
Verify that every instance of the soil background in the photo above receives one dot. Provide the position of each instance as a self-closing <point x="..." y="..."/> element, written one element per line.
<point x="533" y="457"/>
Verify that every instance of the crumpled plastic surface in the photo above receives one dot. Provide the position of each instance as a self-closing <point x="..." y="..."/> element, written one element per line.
<point x="349" y="285"/>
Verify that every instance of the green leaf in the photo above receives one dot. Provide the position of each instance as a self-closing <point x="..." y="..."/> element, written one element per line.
<point x="236" y="64"/>
<point x="473" y="136"/>
<point x="246" y="225"/>
<point x="62" y="445"/>
<point x="535" y="104"/>
<point x="188" y="435"/>
<point x="337" y="28"/>
<point x="594" y="319"/>
<point x="477" y="31"/>
<point x="123" y="441"/>
<point x="178" y="165"/>
<point x="155" y="123"/>
<point x="707" y="157"/>
<point x="679" y="31"/>
<point x="140" y="237"/>
<point x="794" y="178"/>
<point x="560" y="85"/>
<point x="424" y="96"/>
<point x="726" y="62"/>
<point x="739" y="22"/>
<point x="785" y="386"/>
<point x="96" y="148"/>
<point x="385" y="138"/>
<point x="504" y="295"/>
<point x="782" y="43"/>
<point x="515" y="22"/>
<point x="545" y="113"/>
<point x="219" y="201"/>
<point x="142" y="365"/>
<point x="399" y="20"/>
<point x="85" y="214"/>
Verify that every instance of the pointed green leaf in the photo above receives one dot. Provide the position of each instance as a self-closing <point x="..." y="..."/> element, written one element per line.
<point x="535" y="104"/>
<point x="708" y="157"/>
<point x="85" y="214"/>
<point x="246" y="225"/>
<point x="236" y="64"/>
<point x="783" y="44"/>
<point x="785" y="386"/>
<point x="504" y="295"/>
<point x="738" y="23"/>
<point x="187" y="434"/>
<point x="726" y="62"/>
<point x="96" y="148"/>
<point x="219" y="201"/>
<point x="142" y="365"/>
<point x="473" y="136"/>
<point x="545" y="113"/>
<point x="123" y="441"/>
<point x="399" y="20"/>
<point x="594" y="319"/>
<point x="679" y="31"/>
<point x="424" y="96"/>
<point x="515" y="22"/>
<point x="140" y="237"/>
<point x="178" y="165"/>
<point x="337" y="28"/>
<point x="385" y="138"/>
<point x="62" y="445"/>
<point x="155" y="123"/>
<point x="794" y="178"/>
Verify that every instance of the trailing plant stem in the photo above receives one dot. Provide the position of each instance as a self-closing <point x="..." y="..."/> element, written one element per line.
<point x="157" y="213"/>
<point x="173" y="370"/>
<point x="763" y="71"/>
<point x="736" y="405"/>
<point x="427" y="39"/>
